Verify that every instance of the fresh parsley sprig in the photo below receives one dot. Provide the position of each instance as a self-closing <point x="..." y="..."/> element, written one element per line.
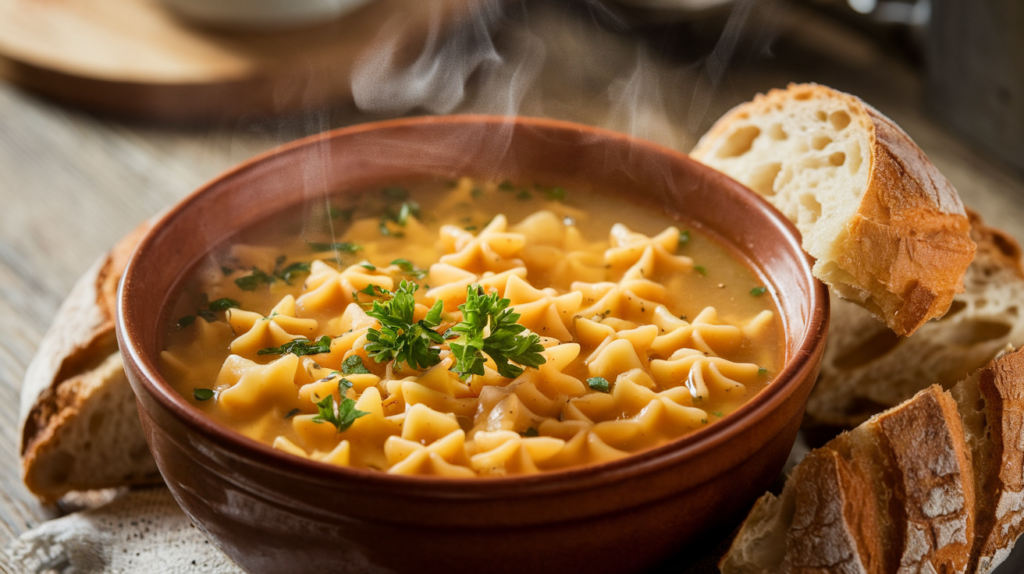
<point x="300" y="347"/>
<point x="400" y="338"/>
<point x="344" y="414"/>
<point x="489" y="328"/>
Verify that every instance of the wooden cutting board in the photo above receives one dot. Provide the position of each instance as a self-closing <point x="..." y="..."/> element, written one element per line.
<point x="133" y="58"/>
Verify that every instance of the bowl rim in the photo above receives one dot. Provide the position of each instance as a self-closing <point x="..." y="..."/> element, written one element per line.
<point x="786" y="382"/>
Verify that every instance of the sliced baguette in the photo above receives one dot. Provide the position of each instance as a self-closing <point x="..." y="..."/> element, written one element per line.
<point x="79" y="426"/>
<point x="886" y="229"/>
<point x="894" y="495"/>
<point x="867" y="368"/>
<point x="991" y="404"/>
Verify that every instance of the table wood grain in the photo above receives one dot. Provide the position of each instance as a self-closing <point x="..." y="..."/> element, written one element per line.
<point x="72" y="183"/>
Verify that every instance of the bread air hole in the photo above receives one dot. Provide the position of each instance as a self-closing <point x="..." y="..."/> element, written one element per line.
<point x="811" y="206"/>
<point x="763" y="179"/>
<point x="979" y="331"/>
<point x="822" y="116"/>
<point x="739" y="142"/>
<point x="837" y="159"/>
<point x="777" y="133"/>
<point x="839" y="120"/>
<point x="874" y="347"/>
<point x="820" y="141"/>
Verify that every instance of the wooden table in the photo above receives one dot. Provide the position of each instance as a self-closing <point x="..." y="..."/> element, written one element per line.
<point x="71" y="184"/>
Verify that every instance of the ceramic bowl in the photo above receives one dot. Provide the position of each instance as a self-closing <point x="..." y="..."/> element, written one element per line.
<point x="272" y="512"/>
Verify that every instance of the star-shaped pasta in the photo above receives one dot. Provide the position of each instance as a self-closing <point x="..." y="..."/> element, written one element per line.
<point x="501" y="453"/>
<point x="549" y="378"/>
<point x="614" y="351"/>
<point x="629" y="248"/>
<point x="705" y="334"/>
<point x="494" y="249"/>
<point x="259" y="332"/>
<point x="250" y="389"/>
<point x="543" y="311"/>
<point x="452" y="281"/>
<point x="704" y="375"/>
<point x="633" y="299"/>
<point x="328" y="292"/>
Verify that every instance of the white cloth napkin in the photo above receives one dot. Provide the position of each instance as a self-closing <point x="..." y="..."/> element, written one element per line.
<point x="142" y="530"/>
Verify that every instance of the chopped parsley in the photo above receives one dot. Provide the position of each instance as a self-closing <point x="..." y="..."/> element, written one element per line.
<point x="253" y="280"/>
<point x="599" y="384"/>
<point x="300" y="347"/>
<point x="186" y="321"/>
<point x="684" y="237"/>
<point x="531" y="432"/>
<point x="489" y="328"/>
<point x="758" y="291"/>
<point x="506" y="186"/>
<point x="223" y="304"/>
<point x="344" y="414"/>
<point x="409" y="268"/>
<point x="345" y="214"/>
<point x="524" y="195"/>
<point x="700" y="269"/>
<point x="202" y="394"/>
<point x="476" y="193"/>
<point x="226" y="270"/>
<point x="556" y="194"/>
<point x="259" y="277"/>
<point x="368" y="266"/>
<point x="718" y="414"/>
<point x="762" y="371"/>
<point x="399" y="338"/>
<point x="354" y="366"/>
<point x="395" y="193"/>
<point x="340" y="246"/>
<point x="292" y="413"/>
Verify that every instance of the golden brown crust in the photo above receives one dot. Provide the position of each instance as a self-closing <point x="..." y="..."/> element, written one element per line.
<point x="907" y="247"/>
<point x="835" y="528"/>
<point x="80" y="339"/>
<point x="935" y="482"/>
<point x="1001" y="506"/>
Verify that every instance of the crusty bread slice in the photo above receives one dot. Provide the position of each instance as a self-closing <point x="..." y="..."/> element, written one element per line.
<point x="885" y="227"/>
<point x="867" y="368"/>
<point x="894" y="495"/>
<point x="79" y="426"/>
<point x="991" y="405"/>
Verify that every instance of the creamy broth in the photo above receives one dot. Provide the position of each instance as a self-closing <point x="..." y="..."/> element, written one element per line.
<point x="646" y="330"/>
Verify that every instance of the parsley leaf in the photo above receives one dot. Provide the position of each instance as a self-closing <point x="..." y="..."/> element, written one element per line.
<point x="223" y="304"/>
<point x="354" y="366"/>
<point x="758" y="291"/>
<point x="700" y="269"/>
<point x="346" y="412"/>
<point x="300" y="347"/>
<point x="556" y="194"/>
<point x="399" y="338"/>
<point x="202" y="394"/>
<point x="292" y="413"/>
<point x="409" y="268"/>
<point x="599" y="384"/>
<point x="186" y="321"/>
<point x="342" y="246"/>
<point x="291" y="271"/>
<point x="487" y="314"/>
<point x="684" y="237"/>
<point x="253" y="280"/>
<point x="531" y="432"/>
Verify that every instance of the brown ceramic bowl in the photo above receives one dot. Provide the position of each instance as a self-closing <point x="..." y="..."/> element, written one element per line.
<point x="272" y="512"/>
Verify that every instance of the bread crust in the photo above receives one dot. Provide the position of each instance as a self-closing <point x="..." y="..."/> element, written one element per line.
<point x="1002" y="502"/>
<point x="80" y="340"/>
<point x="907" y="247"/>
<point x="866" y="369"/>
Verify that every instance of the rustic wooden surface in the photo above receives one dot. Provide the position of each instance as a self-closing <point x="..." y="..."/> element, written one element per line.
<point x="71" y="183"/>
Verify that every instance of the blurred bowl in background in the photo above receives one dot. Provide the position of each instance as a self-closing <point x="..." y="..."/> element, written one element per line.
<point x="261" y="14"/>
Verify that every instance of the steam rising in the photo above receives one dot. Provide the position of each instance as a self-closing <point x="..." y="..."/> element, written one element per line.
<point x="539" y="59"/>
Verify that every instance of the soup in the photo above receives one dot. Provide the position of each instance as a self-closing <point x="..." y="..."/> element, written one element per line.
<point x="471" y="329"/>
